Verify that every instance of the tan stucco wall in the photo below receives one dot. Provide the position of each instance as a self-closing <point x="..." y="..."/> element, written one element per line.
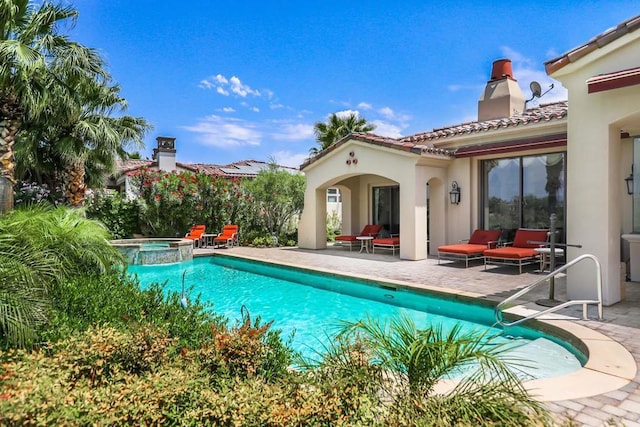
<point x="376" y="166"/>
<point x="595" y="163"/>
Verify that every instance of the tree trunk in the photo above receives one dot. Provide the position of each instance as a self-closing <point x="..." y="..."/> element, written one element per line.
<point x="75" y="187"/>
<point x="10" y="118"/>
<point x="8" y="130"/>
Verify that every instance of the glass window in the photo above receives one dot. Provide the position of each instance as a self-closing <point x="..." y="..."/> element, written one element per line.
<point x="386" y="208"/>
<point x="524" y="192"/>
<point x="333" y="195"/>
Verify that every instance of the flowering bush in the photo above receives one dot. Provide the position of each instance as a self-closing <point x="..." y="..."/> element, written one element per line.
<point x="27" y="193"/>
<point x="172" y="202"/>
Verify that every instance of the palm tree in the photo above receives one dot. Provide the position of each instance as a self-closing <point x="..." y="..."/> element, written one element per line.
<point x="31" y="46"/>
<point x="407" y="363"/>
<point x="337" y="127"/>
<point x="78" y="134"/>
<point x="39" y="248"/>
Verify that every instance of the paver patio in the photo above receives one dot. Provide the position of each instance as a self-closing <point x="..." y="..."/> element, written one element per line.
<point x="621" y="321"/>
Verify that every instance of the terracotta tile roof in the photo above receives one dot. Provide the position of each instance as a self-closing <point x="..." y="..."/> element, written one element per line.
<point x="129" y="165"/>
<point x="597" y="42"/>
<point x="244" y="168"/>
<point x="370" y="138"/>
<point x="540" y="113"/>
<point x="422" y="143"/>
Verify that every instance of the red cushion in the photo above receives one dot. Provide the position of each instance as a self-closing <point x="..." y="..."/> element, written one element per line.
<point x="463" y="249"/>
<point x="482" y="237"/>
<point x="227" y="233"/>
<point x="371" y="230"/>
<point x="389" y="241"/>
<point x="368" y="230"/>
<point x="524" y="235"/>
<point x="510" y="252"/>
<point x="346" y="238"/>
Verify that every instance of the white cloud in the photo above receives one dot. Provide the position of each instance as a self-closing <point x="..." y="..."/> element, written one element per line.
<point x="224" y="86"/>
<point x="365" y="106"/>
<point x="276" y="106"/>
<point x="346" y="113"/>
<point x="287" y="158"/>
<point x="268" y="93"/>
<point x="241" y="89"/>
<point x="223" y="132"/>
<point x="386" y="129"/>
<point x="526" y="70"/>
<point x="293" y="132"/>
<point x="205" y="84"/>
<point x="255" y="109"/>
<point x="386" y="112"/>
<point x="228" y="110"/>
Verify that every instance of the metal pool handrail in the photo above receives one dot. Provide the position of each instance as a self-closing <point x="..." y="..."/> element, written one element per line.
<point x="504" y="304"/>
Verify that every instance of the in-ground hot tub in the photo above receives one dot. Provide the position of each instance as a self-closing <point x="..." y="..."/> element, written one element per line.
<point x="154" y="250"/>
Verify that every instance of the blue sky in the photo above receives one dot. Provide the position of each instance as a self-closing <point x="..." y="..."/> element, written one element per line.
<point x="240" y="80"/>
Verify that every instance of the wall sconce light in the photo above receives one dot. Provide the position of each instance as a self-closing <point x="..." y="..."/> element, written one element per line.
<point x="629" y="181"/>
<point x="454" y="194"/>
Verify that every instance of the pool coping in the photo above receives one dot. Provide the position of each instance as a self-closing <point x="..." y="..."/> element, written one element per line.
<point x="610" y="366"/>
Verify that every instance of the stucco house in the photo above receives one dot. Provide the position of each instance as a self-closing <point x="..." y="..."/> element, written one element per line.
<point x="513" y="167"/>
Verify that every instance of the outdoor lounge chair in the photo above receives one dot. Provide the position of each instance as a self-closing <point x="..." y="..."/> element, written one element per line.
<point x="520" y="252"/>
<point x="350" y="240"/>
<point x="392" y="243"/>
<point x="228" y="237"/>
<point x="474" y="248"/>
<point x="195" y="234"/>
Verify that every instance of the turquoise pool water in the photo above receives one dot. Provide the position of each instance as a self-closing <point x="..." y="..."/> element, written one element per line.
<point x="313" y="304"/>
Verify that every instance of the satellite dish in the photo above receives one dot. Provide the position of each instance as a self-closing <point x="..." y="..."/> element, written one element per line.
<point x="536" y="89"/>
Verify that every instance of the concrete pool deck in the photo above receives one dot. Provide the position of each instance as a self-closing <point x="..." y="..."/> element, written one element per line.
<point x="612" y="382"/>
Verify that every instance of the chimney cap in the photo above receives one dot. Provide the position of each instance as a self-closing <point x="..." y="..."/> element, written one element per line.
<point x="501" y="69"/>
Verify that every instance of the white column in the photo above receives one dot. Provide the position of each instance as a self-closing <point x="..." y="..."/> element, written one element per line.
<point x="413" y="213"/>
<point x="593" y="218"/>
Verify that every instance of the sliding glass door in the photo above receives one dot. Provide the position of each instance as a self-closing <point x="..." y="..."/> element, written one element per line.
<point x="523" y="192"/>
<point x="386" y="208"/>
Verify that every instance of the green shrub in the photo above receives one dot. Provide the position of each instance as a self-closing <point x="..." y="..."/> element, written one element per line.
<point x="120" y="215"/>
<point x="116" y="299"/>
<point x="40" y="248"/>
<point x="334" y="225"/>
<point x="246" y="350"/>
<point x="87" y="380"/>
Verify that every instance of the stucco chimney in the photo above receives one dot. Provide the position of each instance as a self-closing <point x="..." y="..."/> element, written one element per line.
<point x="165" y="154"/>
<point x="502" y="96"/>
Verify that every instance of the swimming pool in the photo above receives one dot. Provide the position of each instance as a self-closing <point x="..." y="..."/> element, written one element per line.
<point x="312" y="304"/>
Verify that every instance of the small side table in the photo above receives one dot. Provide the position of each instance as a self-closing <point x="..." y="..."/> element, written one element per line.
<point x="545" y="255"/>
<point x="364" y="242"/>
<point x="207" y="240"/>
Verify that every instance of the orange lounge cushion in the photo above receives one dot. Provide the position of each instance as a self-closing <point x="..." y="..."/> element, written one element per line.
<point x="483" y="237"/>
<point x="227" y="233"/>
<point x="463" y="249"/>
<point x="368" y="230"/>
<point x="346" y="238"/>
<point x="510" y="252"/>
<point x="196" y="232"/>
<point x="524" y="235"/>
<point x="371" y="230"/>
<point x="387" y="241"/>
